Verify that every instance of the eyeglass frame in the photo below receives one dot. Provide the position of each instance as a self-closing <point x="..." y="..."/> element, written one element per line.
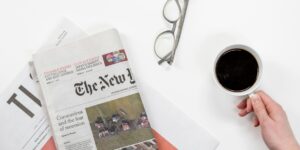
<point x="175" y="31"/>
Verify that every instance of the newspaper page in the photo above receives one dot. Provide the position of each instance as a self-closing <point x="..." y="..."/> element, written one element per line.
<point x="24" y="124"/>
<point x="173" y="124"/>
<point x="91" y="96"/>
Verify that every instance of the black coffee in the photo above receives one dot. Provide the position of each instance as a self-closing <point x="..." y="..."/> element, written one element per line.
<point x="237" y="70"/>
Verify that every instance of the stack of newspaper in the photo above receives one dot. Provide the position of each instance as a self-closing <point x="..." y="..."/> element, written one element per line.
<point x="79" y="93"/>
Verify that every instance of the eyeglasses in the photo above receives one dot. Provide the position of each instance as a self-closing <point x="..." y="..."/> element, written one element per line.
<point x="166" y="42"/>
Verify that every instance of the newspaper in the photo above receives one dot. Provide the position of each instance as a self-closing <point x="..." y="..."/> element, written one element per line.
<point x="33" y="134"/>
<point x="91" y="96"/>
<point x="24" y="124"/>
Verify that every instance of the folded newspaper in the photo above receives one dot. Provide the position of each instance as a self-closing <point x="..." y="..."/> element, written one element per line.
<point x="91" y="96"/>
<point x="23" y="97"/>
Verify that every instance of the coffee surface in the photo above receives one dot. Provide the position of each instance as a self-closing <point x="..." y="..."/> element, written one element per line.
<point x="237" y="70"/>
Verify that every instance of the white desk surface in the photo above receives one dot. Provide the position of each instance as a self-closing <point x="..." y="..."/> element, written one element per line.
<point x="272" y="27"/>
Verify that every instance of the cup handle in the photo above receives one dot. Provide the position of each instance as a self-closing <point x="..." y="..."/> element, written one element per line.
<point x="251" y="94"/>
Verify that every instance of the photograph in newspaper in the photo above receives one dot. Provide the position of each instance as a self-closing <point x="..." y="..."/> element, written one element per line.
<point x="119" y="123"/>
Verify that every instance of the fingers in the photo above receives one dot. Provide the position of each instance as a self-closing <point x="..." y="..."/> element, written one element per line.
<point x="245" y="107"/>
<point x="263" y="106"/>
<point x="267" y="100"/>
<point x="259" y="108"/>
<point x="243" y="104"/>
<point x="255" y="121"/>
<point x="272" y="107"/>
<point x="243" y="112"/>
<point x="249" y="106"/>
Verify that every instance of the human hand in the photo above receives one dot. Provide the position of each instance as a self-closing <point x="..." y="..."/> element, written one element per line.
<point x="272" y="119"/>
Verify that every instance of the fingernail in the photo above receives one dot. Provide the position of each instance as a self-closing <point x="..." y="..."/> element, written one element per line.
<point x="254" y="98"/>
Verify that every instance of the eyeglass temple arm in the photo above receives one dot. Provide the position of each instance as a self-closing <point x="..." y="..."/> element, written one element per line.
<point x="170" y="56"/>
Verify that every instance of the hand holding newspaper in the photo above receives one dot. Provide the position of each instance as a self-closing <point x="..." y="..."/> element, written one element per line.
<point x="23" y="98"/>
<point x="34" y="132"/>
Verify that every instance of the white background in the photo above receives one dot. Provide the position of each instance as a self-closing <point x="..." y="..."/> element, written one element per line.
<point x="272" y="27"/>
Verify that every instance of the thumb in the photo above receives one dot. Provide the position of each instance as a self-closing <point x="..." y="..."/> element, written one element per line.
<point x="259" y="108"/>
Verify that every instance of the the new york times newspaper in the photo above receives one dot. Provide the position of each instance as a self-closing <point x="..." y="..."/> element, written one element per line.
<point x="91" y="96"/>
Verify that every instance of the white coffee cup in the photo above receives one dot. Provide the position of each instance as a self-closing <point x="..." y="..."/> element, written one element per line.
<point x="250" y="90"/>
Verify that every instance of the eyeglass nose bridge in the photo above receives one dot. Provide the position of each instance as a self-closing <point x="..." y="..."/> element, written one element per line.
<point x="179" y="9"/>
